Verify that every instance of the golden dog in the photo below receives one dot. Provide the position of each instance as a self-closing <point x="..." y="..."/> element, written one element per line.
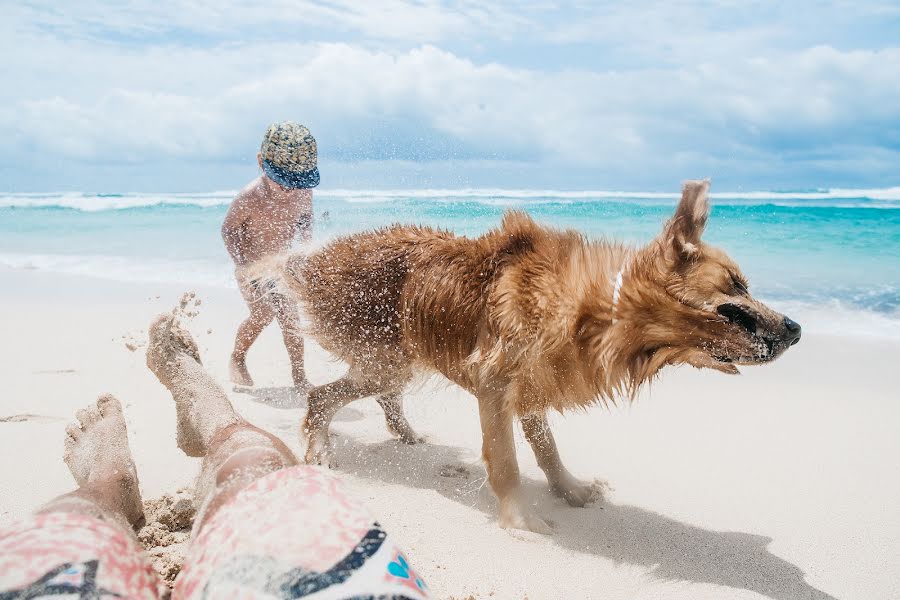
<point x="527" y="319"/>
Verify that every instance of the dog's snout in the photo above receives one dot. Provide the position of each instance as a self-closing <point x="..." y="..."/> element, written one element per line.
<point x="738" y="315"/>
<point x="793" y="330"/>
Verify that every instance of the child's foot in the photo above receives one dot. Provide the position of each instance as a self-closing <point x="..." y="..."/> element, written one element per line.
<point x="238" y="372"/>
<point x="99" y="458"/>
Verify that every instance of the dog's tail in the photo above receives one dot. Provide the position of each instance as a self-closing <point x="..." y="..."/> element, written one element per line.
<point x="280" y="272"/>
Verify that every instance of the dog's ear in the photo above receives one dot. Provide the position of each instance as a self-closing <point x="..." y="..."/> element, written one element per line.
<point x="683" y="231"/>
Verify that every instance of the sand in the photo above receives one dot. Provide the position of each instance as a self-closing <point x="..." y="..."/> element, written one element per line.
<point x="780" y="483"/>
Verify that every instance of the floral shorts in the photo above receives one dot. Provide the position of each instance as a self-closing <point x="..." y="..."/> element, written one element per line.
<point x="294" y="533"/>
<point x="69" y="555"/>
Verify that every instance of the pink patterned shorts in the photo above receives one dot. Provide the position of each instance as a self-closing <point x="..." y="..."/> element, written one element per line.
<point x="291" y="534"/>
<point x="71" y="555"/>
<point x="294" y="533"/>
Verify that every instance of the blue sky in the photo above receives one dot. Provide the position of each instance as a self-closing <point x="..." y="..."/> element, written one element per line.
<point x="173" y="95"/>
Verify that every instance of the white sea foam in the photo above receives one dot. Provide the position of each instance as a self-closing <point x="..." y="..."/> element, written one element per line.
<point x="836" y="317"/>
<point x="888" y="198"/>
<point x="831" y="316"/>
<point x="125" y="269"/>
<point x="101" y="202"/>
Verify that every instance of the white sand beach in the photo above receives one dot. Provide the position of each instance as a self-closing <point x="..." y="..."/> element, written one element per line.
<point x="781" y="483"/>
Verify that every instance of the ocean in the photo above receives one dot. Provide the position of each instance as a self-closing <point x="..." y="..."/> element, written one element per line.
<point x="828" y="258"/>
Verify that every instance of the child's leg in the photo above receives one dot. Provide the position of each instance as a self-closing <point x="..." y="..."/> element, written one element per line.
<point x="289" y="320"/>
<point x="261" y="314"/>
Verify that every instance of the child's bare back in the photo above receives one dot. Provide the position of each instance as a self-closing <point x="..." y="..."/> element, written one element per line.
<point x="263" y="221"/>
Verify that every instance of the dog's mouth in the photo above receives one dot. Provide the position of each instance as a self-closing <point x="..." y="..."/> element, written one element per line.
<point x="762" y="350"/>
<point x="750" y="344"/>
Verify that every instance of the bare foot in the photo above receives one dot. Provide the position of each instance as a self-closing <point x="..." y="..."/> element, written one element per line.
<point x="237" y="371"/>
<point x="99" y="458"/>
<point x="168" y="341"/>
<point x="200" y="404"/>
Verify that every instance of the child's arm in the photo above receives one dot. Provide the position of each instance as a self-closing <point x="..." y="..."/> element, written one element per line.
<point x="305" y="220"/>
<point x="232" y="229"/>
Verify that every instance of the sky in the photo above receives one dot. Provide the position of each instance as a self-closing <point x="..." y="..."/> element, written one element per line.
<point x="174" y="95"/>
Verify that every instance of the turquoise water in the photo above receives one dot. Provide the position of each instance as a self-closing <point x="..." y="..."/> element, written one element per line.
<point x="834" y="256"/>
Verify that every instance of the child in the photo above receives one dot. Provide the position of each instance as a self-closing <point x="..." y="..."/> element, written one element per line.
<point x="263" y="220"/>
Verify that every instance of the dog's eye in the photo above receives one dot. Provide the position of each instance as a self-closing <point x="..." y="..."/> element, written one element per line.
<point x="739" y="286"/>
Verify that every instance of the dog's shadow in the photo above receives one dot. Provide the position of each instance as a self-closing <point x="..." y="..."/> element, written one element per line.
<point x="288" y="398"/>
<point x="622" y="533"/>
<point x="285" y="397"/>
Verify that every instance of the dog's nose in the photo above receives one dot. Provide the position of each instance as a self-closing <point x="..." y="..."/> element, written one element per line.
<point x="793" y="330"/>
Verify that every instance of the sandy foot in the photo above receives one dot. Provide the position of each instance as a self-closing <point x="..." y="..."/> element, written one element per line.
<point x="237" y="371"/>
<point x="97" y="454"/>
<point x="201" y="406"/>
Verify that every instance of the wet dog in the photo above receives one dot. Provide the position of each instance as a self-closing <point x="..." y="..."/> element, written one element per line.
<point x="528" y="319"/>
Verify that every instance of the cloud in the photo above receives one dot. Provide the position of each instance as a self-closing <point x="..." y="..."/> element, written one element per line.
<point x="733" y="99"/>
<point x="138" y="20"/>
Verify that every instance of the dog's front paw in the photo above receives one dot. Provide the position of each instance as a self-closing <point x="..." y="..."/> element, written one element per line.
<point x="579" y="494"/>
<point x="513" y="515"/>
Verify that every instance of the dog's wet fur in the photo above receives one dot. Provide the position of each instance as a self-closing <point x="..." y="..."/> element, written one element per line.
<point x="524" y="318"/>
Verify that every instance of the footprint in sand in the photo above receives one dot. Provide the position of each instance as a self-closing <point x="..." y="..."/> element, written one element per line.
<point x="28" y="417"/>
<point x="454" y="471"/>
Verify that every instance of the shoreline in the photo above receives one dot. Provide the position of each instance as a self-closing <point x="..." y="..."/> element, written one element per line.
<point x="776" y="483"/>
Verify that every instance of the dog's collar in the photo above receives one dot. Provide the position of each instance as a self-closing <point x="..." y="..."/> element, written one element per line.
<point x="617" y="289"/>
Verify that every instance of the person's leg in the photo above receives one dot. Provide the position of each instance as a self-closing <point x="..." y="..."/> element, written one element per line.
<point x="289" y="320"/>
<point x="263" y="522"/>
<point x="261" y="314"/>
<point x="234" y="452"/>
<point x="83" y="542"/>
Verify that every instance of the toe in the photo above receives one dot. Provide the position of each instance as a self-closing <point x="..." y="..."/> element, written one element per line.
<point x="73" y="432"/>
<point x="88" y="416"/>
<point x="109" y="405"/>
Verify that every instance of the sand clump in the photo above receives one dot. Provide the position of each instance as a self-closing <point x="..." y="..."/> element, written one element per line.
<point x="167" y="531"/>
<point x="187" y="309"/>
<point x="188" y="305"/>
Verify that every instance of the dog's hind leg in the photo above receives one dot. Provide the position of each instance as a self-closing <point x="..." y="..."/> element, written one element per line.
<point x="537" y="432"/>
<point x="323" y="403"/>
<point x="392" y="404"/>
